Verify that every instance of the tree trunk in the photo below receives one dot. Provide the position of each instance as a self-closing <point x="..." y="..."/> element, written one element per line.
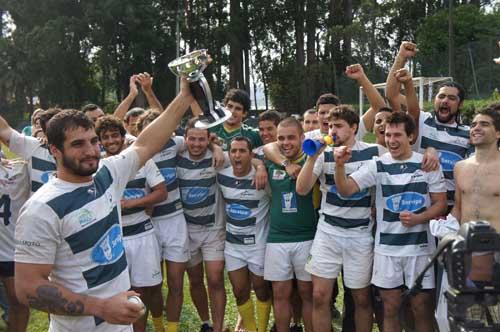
<point x="299" y="32"/>
<point x="236" y="52"/>
<point x="311" y="23"/>
<point x="346" y="46"/>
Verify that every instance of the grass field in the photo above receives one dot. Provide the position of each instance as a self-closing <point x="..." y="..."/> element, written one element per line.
<point x="189" y="318"/>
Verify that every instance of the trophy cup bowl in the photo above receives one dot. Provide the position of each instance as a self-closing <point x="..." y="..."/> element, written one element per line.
<point x="191" y="66"/>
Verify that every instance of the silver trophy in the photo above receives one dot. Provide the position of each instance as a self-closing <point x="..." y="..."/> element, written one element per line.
<point x="191" y="66"/>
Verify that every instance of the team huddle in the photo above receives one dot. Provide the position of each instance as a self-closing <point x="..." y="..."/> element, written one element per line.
<point x="98" y="207"/>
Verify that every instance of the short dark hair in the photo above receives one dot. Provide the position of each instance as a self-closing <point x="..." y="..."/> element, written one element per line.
<point x="345" y="112"/>
<point x="292" y="122"/>
<point x="458" y="86"/>
<point x="45" y="116"/>
<point x="63" y="121"/>
<point x="493" y="111"/>
<point x="238" y="96"/>
<point x="89" y="108"/>
<point x="242" y="139"/>
<point x="385" y="109"/>
<point x="109" y="122"/>
<point x="133" y="112"/>
<point x="191" y="124"/>
<point x="272" y="116"/>
<point x="327" y="98"/>
<point x="146" y="117"/>
<point x="401" y="117"/>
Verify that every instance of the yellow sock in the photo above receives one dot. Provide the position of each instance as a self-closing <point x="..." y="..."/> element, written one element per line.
<point x="247" y="314"/>
<point x="263" y="311"/>
<point x="158" y="324"/>
<point x="172" y="326"/>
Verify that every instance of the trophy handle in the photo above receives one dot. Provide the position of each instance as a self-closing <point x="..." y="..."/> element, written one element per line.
<point x="201" y="92"/>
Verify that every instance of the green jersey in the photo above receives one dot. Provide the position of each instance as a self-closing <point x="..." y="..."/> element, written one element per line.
<point x="227" y="136"/>
<point x="292" y="216"/>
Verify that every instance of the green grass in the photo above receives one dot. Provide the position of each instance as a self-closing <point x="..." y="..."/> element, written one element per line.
<point x="189" y="317"/>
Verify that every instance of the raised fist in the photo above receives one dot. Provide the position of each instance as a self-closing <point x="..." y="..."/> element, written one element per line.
<point x="355" y="71"/>
<point x="403" y="75"/>
<point x="408" y="49"/>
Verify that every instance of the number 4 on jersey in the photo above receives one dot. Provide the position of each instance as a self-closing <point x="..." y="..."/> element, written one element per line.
<point x="5" y="209"/>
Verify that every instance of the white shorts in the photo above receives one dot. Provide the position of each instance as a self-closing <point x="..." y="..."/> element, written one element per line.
<point x="143" y="258"/>
<point x="392" y="272"/>
<point x="172" y="235"/>
<point x="329" y="253"/>
<point x="238" y="256"/>
<point x="283" y="260"/>
<point x="206" y="246"/>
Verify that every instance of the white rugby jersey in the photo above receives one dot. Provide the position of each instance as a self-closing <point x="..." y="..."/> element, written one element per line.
<point x="77" y="228"/>
<point x="451" y="141"/>
<point x="135" y="221"/>
<point x="401" y="186"/>
<point x="165" y="160"/>
<point x="41" y="164"/>
<point x="339" y="215"/>
<point x="14" y="191"/>
<point x="200" y="195"/>
<point x="246" y="209"/>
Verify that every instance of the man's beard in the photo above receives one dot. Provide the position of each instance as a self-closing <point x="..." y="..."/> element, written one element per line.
<point x="76" y="169"/>
<point x="445" y="118"/>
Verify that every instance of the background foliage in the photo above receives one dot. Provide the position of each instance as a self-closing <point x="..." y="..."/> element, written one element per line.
<point x="69" y="52"/>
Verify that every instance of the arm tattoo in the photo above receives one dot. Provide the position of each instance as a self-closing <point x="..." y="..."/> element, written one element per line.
<point x="50" y="299"/>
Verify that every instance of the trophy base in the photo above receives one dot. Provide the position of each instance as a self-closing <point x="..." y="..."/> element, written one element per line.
<point x="214" y="118"/>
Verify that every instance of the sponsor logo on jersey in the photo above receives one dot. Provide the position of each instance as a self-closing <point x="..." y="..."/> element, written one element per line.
<point x="238" y="211"/>
<point x="169" y="174"/>
<point x="194" y="195"/>
<point x="407" y="201"/>
<point x="131" y="193"/>
<point x="448" y="160"/>
<point x="109" y="248"/>
<point x="85" y="217"/>
<point x="355" y="197"/>
<point x="279" y="174"/>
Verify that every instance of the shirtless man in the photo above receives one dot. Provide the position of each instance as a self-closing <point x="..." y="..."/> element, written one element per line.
<point x="477" y="178"/>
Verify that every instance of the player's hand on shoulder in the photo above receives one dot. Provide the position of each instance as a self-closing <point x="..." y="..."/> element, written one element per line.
<point x="260" y="179"/>
<point x="430" y="161"/>
<point x="293" y="170"/>
<point x="119" y="310"/>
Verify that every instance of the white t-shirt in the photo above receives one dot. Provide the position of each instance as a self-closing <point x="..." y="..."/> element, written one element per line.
<point x="246" y="210"/>
<point x="339" y="215"/>
<point x="76" y="227"/>
<point x="401" y="185"/>
<point x="41" y="164"/>
<point x="166" y="162"/>
<point x="14" y="191"/>
<point x="450" y="140"/>
<point x="136" y="221"/>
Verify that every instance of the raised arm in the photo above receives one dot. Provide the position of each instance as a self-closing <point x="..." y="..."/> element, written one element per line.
<point x="346" y="186"/>
<point x="5" y="131"/>
<point x="406" y="50"/>
<point x="152" y="139"/>
<point x="124" y="106"/>
<point x="403" y="76"/>
<point x="34" y="289"/>
<point x="146" y="82"/>
<point x="307" y="178"/>
<point x="376" y="101"/>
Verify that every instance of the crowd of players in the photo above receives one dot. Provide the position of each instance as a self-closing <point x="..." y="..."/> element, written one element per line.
<point x="99" y="205"/>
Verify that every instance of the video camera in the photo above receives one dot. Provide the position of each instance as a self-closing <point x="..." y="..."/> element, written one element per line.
<point x="471" y="259"/>
<point x="472" y="262"/>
